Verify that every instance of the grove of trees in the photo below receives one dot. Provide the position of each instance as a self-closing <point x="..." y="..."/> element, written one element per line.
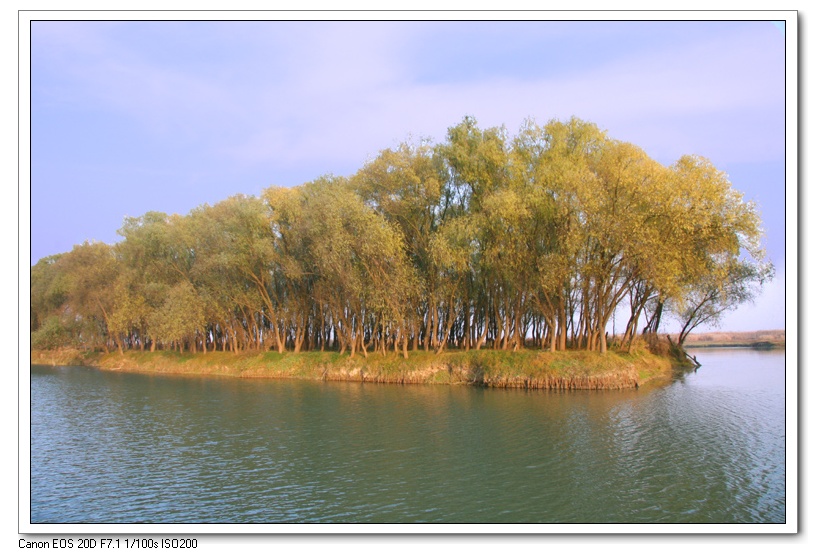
<point x="483" y="241"/>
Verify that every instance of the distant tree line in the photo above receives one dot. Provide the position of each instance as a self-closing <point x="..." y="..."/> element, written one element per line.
<point x="482" y="241"/>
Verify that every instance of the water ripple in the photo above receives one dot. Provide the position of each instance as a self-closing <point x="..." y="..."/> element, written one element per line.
<point x="130" y="448"/>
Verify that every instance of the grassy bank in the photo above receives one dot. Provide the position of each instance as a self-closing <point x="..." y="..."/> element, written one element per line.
<point x="526" y="369"/>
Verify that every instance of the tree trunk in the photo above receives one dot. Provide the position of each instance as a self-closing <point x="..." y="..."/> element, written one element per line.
<point x="405" y="346"/>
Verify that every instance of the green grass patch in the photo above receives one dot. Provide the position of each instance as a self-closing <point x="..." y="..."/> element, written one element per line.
<point x="532" y="368"/>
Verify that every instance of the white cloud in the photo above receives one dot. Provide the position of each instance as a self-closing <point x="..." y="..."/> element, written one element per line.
<point x="672" y="101"/>
<point x="339" y="91"/>
<point x="322" y="97"/>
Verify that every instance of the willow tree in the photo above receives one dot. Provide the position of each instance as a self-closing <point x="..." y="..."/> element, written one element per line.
<point x="732" y="283"/>
<point x="482" y="239"/>
<point x="724" y="263"/>
<point x="154" y="257"/>
<point x="52" y="325"/>
<point x="361" y="274"/>
<point x="90" y="269"/>
<point x="477" y="166"/>
<point x="455" y="255"/>
<point x="180" y="317"/>
<point x="48" y="290"/>
<point x="405" y="186"/>
<point x="292" y="251"/>
<point x="562" y="156"/>
<point x="510" y="227"/>
<point x="621" y="229"/>
<point x="232" y="303"/>
<point x="248" y="251"/>
<point x="544" y="240"/>
<point x="131" y="313"/>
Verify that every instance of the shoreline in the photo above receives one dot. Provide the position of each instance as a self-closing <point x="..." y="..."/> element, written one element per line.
<point x="527" y="369"/>
<point x="758" y="340"/>
<point x="751" y="345"/>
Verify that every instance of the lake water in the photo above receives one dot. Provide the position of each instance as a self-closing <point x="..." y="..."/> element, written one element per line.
<point x="708" y="447"/>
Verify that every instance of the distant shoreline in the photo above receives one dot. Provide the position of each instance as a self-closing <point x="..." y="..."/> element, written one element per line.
<point x="753" y="345"/>
<point x="760" y="340"/>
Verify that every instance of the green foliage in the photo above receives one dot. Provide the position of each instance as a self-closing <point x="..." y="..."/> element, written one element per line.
<point x="482" y="241"/>
<point x="180" y="317"/>
<point x="53" y="334"/>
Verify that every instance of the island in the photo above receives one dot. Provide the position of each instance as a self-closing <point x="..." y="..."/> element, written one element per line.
<point x="486" y="259"/>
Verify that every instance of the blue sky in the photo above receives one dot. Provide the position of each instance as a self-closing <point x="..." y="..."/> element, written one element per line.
<point x="128" y="117"/>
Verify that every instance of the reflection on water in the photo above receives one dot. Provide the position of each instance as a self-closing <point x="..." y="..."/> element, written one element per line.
<point x="708" y="447"/>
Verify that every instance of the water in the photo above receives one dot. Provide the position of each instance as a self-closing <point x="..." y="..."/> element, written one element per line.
<point x="709" y="447"/>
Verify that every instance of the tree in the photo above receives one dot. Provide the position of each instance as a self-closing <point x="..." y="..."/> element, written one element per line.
<point x="405" y="186"/>
<point x="723" y="263"/>
<point x="362" y="278"/>
<point x="48" y="290"/>
<point x="180" y="317"/>
<point x="735" y="282"/>
<point x="481" y="240"/>
<point x="248" y="250"/>
<point x="476" y="161"/>
<point x="153" y="259"/>
<point x="130" y="314"/>
<point x="91" y="268"/>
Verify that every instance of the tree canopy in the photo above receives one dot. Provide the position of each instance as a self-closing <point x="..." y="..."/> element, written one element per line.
<point x="482" y="241"/>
